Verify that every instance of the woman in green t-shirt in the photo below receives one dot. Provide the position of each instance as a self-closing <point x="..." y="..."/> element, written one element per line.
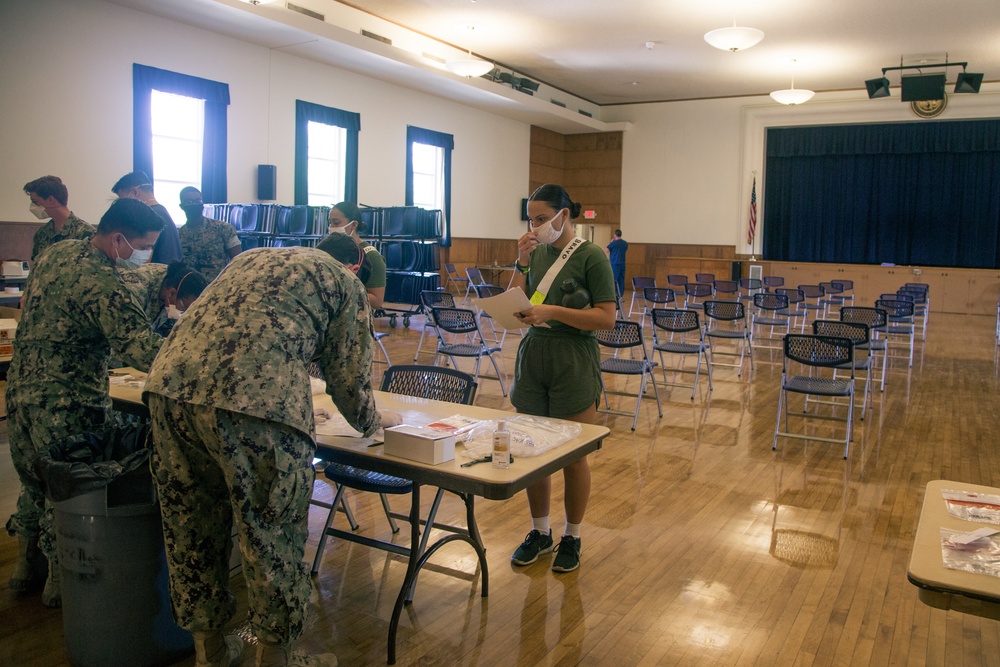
<point x="557" y="372"/>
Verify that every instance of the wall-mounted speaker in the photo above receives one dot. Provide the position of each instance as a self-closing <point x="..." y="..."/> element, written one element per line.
<point x="267" y="182"/>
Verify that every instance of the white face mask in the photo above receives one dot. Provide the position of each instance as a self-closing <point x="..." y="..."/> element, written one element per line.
<point x="341" y="230"/>
<point x="38" y="211"/>
<point x="173" y="313"/>
<point x="546" y="233"/>
<point x="135" y="260"/>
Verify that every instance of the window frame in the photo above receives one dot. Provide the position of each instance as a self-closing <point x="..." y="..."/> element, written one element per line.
<point x="215" y="94"/>
<point x="441" y="140"/>
<point x="349" y="121"/>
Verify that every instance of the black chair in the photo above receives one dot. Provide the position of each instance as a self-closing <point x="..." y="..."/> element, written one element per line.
<point x="686" y="338"/>
<point x="627" y="335"/>
<point x="750" y="287"/>
<point x="773" y="282"/>
<point x="727" y="290"/>
<point x="816" y="352"/>
<point x="454" y="278"/>
<point x="833" y="297"/>
<point x="900" y="322"/>
<point x="639" y="283"/>
<point x="475" y="278"/>
<point x="846" y="290"/>
<point x="704" y="278"/>
<point x="655" y="297"/>
<point x="460" y="321"/>
<point x="431" y="382"/>
<point x="876" y="319"/>
<point x="795" y="298"/>
<point x="727" y="320"/>
<point x="812" y="294"/>
<point x="484" y="292"/>
<point x="676" y="280"/>
<point x="768" y="312"/>
<point x="695" y="291"/>
<point x="860" y="335"/>
<point x="432" y="299"/>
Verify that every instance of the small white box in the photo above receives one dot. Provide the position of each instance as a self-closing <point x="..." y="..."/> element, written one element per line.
<point x="15" y="269"/>
<point x="7" y="329"/>
<point x="426" y="445"/>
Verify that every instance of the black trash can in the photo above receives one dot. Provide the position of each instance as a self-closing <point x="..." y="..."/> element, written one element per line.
<point x="115" y="595"/>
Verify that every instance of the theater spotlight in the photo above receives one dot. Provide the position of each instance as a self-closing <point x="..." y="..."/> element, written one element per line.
<point x="877" y="88"/>
<point x="527" y="86"/>
<point x="968" y="82"/>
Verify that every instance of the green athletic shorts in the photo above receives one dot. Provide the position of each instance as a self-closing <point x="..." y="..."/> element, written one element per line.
<point x="556" y="374"/>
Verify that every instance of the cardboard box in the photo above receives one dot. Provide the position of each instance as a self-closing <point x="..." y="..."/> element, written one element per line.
<point x="6" y="350"/>
<point x="426" y="445"/>
<point x="7" y="329"/>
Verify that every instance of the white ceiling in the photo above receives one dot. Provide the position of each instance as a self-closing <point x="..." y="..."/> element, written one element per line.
<point x="596" y="49"/>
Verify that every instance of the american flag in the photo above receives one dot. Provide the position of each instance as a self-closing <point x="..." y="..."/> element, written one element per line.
<point x="752" y="228"/>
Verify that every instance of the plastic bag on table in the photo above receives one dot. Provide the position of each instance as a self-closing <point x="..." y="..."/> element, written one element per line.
<point x="981" y="556"/>
<point x="529" y="435"/>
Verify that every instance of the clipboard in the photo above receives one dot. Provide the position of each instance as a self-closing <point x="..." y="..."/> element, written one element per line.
<point x="503" y="306"/>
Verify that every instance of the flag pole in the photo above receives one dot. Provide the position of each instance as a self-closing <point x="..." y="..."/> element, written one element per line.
<point x="752" y="222"/>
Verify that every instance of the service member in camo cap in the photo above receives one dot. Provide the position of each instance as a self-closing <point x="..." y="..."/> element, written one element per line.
<point x="208" y="244"/>
<point x="232" y="417"/>
<point x="77" y="313"/>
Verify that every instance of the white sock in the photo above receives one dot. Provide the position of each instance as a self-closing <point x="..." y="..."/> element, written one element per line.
<point x="573" y="530"/>
<point x="541" y="524"/>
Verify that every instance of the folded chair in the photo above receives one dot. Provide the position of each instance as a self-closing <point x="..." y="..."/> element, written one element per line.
<point x="694" y="292"/>
<point x="900" y="322"/>
<point x="819" y="354"/>
<point x="685" y="338"/>
<point x="655" y="297"/>
<point x="454" y="278"/>
<point x="627" y="335"/>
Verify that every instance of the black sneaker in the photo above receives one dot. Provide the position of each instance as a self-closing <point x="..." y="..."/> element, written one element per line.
<point x="567" y="554"/>
<point x="534" y="545"/>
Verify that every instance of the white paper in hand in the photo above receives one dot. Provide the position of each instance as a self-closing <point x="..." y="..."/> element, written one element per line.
<point x="503" y="306"/>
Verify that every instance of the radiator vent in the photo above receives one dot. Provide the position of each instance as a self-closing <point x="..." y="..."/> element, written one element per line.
<point x="377" y="38"/>
<point x="585" y="113"/>
<point x="559" y="104"/>
<point x="305" y="12"/>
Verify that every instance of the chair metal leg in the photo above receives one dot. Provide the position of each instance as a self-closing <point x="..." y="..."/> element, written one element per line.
<point x="388" y="513"/>
<point x="777" y="422"/>
<point x="323" y="535"/>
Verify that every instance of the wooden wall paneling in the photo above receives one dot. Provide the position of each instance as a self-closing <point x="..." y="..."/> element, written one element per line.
<point x="983" y="292"/>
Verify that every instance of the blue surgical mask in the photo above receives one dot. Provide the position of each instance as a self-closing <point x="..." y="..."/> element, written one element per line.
<point x="135" y="260"/>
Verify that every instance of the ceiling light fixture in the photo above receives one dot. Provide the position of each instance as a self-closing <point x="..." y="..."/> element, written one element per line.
<point x="735" y="38"/>
<point x="792" y="95"/>
<point x="469" y="67"/>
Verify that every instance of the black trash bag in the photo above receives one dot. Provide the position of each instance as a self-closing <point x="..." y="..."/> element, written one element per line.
<point x="90" y="461"/>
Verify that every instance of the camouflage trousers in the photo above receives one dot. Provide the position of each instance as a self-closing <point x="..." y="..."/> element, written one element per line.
<point x="31" y="430"/>
<point x="211" y="466"/>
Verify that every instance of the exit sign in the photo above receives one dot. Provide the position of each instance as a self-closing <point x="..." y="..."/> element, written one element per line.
<point x="590" y="215"/>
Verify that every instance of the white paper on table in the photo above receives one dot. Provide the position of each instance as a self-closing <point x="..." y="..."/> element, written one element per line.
<point x="334" y="424"/>
<point x="503" y="306"/>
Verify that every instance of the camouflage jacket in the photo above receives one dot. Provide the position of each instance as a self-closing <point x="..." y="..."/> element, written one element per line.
<point x="145" y="282"/>
<point x="206" y="246"/>
<point x="74" y="228"/>
<point x="245" y="345"/>
<point x="77" y="312"/>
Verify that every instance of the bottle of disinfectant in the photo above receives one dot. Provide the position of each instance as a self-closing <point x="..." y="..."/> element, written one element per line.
<point x="501" y="446"/>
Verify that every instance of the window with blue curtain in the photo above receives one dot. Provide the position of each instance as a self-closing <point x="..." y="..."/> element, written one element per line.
<point x="216" y="96"/>
<point x="446" y="142"/>
<point x="924" y="193"/>
<point x="306" y="112"/>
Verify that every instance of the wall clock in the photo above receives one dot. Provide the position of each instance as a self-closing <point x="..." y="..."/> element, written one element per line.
<point x="929" y="108"/>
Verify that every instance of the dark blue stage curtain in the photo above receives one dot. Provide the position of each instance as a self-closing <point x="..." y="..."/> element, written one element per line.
<point x="924" y="193"/>
<point x="216" y="95"/>
<point x="350" y="121"/>
<point x="441" y="140"/>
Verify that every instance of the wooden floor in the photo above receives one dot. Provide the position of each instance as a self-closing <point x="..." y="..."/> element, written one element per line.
<point x="701" y="545"/>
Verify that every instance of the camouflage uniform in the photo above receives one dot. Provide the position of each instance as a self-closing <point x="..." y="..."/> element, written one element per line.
<point x="77" y="311"/>
<point x="73" y="228"/>
<point x="206" y="245"/>
<point x="146" y="282"/>
<point x="232" y="417"/>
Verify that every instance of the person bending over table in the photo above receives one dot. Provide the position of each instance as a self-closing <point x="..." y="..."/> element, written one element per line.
<point x="78" y="311"/>
<point x="233" y="436"/>
<point x="165" y="292"/>
<point x="557" y="372"/>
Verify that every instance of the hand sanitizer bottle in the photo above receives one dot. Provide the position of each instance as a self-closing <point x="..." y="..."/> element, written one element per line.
<point x="501" y="446"/>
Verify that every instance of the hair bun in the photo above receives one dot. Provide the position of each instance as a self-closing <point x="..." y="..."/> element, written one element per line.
<point x="574" y="210"/>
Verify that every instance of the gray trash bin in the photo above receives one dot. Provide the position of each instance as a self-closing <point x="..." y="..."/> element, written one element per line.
<point x="115" y="596"/>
